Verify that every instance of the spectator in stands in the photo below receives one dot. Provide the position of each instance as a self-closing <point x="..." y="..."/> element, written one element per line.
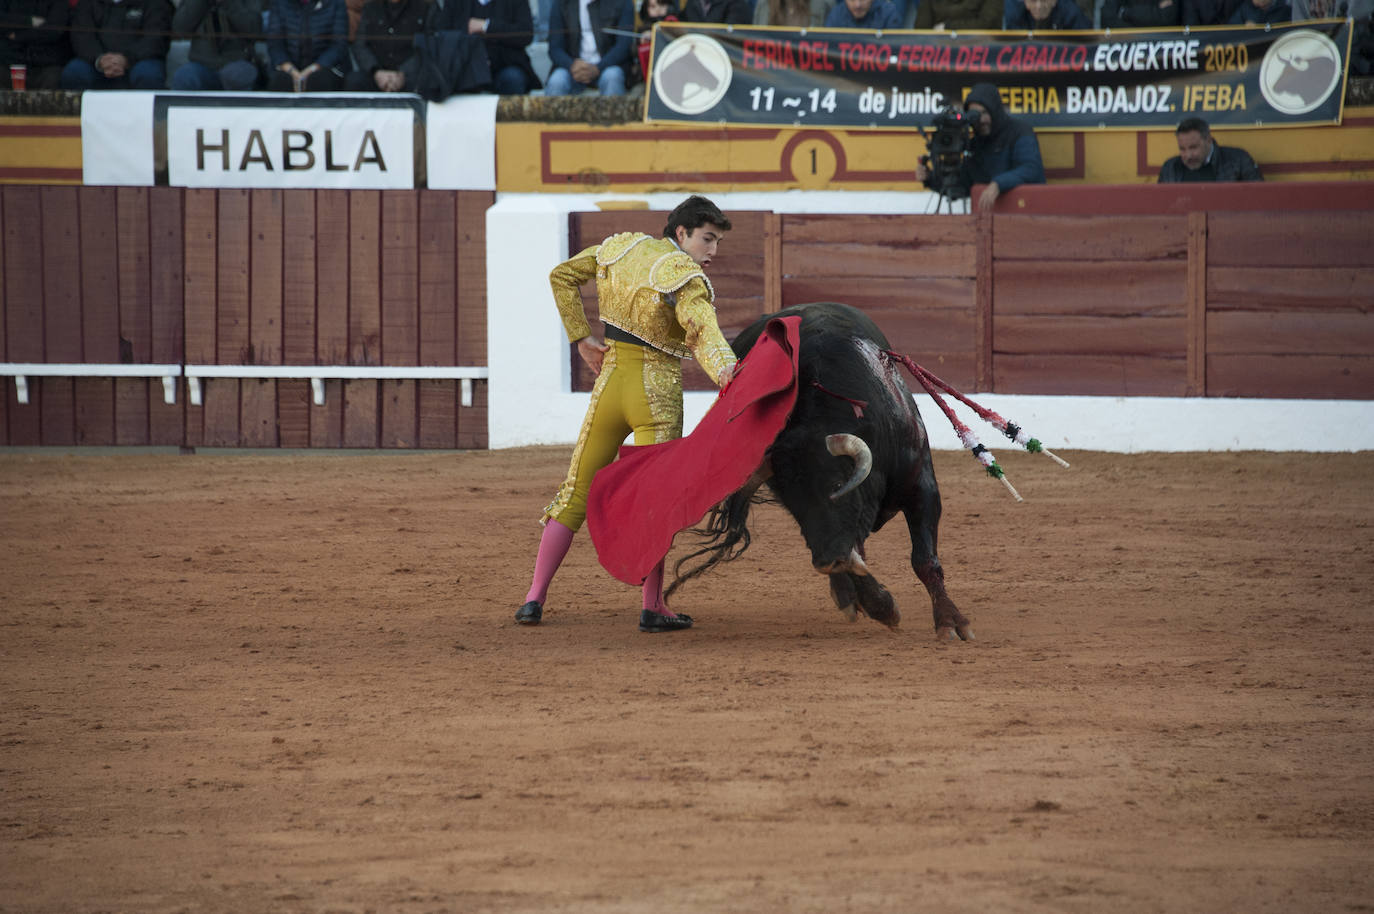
<point x="1208" y="12"/>
<point x="796" y="13"/>
<point x="355" y="15"/>
<point x="1201" y="159"/>
<point x="733" y="12"/>
<point x="590" y="43"/>
<point x="34" y="33"/>
<point x="863" y="14"/>
<point x="1262" y="12"/>
<point x="1003" y="154"/>
<point x="1332" y="9"/>
<point x="959" y="14"/>
<point x="307" y="45"/>
<point x="1049" y="15"/>
<point x="507" y="28"/>
<point x="384" y="46"/>
<point x="222" y="33"/>
<point x="650" y="12"/>
<point x="1362" y="35"/>
<point x="119" y="45"/>
<point x="1141" y="14"/>
<point x="1013" y="10"/>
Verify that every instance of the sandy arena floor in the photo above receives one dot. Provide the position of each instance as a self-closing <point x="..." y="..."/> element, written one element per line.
<point x="291" y="683"/>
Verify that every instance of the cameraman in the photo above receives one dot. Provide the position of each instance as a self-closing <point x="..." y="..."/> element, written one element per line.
<point x="1004" y="153"/>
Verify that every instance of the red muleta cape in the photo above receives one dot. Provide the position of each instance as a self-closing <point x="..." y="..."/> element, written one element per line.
<point x="639" y="503"/>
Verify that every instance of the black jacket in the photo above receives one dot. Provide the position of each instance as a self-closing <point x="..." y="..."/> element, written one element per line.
<point x="1141" y="14"/>
<point x="734" y="12"/>
<point x="386" y="35"/>
<point x="221" y="31"/>
<point x="1009" y="154"/>
<point x="1229" y="163"/>
<point x="510" y="29"/>
<point x="138" y="29"/>
<point x="36" y="46"/>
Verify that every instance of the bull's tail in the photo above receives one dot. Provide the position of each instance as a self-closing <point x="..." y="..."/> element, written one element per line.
<point x="726" y="536"/>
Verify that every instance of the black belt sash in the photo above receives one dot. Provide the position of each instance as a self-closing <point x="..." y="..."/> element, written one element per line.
<point x="623" y="336"/>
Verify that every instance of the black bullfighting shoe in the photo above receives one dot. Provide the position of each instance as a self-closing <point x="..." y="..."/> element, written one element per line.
<point x="530" y="613"/>
<point x="650" y="621"/>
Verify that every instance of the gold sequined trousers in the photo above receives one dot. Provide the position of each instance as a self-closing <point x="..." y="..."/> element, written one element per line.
<point x="639" y="390"/>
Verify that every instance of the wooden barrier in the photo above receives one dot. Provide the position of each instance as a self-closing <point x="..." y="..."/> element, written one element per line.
<point x="1203" y="290"/>
<point x="1255" y="290"/>
<point x="253" y="278"/>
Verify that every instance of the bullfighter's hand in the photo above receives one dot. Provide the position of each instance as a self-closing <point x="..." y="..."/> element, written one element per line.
<point x="726" y="375"/>
<point x="593" y="352"/>
<point x="989" y="197"/>
<point x="477" y="26"/>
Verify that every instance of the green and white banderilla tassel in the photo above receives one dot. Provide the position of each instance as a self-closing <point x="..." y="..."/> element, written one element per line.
<point x="984" y="456"/>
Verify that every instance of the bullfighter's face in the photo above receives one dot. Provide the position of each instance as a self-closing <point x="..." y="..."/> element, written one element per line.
<point x="1193" y="149"/>
<point x="700" y="243"/>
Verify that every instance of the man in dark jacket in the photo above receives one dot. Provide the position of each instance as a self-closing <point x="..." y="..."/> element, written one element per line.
<point x="34" y="33"/>
<point x="1201" y="159"/>
<point x="1141" y="14"/>
<point x="1262" y="12"/>
<point x="119" y="45"/>
<point x="384" y="45"/>
<point x="507" y="27"/>
<point x="307" y="45"/>
<point x="734" y="12"/>
<point x="598" y="56"/>
<point x="1003" y="153"/>
<point x="222" y="33"/>
<point x="1048" y="15"/>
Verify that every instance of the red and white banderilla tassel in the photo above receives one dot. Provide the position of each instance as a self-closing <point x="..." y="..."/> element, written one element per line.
<point x="934" y="385"/>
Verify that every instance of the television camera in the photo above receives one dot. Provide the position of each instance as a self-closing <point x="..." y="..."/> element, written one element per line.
<point x="946" y="146"/>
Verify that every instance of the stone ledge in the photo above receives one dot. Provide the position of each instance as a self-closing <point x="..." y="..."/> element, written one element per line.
<point x="575" y="109"/>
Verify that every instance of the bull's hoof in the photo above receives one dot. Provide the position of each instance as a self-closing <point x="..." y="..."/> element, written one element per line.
<point x="875" y="601"/>
<point x="842" y="592"/>
<point x="953" y="633"/>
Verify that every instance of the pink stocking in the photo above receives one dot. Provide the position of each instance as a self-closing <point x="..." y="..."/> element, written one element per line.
<point x="553" y="547"/>
<point x="653" y="593"/>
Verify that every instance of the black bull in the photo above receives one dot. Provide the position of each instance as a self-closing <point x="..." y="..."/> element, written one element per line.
<point x="852" y="407"/>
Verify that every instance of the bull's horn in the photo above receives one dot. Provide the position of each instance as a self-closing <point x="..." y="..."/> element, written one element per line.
<point x="851" y="446"/>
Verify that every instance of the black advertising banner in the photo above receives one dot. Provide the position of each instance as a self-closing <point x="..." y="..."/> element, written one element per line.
<point x="1274" y="76"/>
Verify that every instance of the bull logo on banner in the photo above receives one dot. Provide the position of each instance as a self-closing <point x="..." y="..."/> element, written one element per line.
<point x="1300" y="71"/>
<point x="692" y="74"/>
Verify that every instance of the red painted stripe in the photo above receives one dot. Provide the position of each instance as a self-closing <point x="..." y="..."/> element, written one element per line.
<point x="37" y="130"/>
<point x="60" y="175"/>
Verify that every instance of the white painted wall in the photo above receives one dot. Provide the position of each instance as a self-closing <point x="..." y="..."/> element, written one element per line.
<point x="530" y="401"/>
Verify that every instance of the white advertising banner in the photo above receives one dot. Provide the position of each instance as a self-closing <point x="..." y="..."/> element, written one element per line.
<point x="339" y="140"/>
<point x="261" y="139"/>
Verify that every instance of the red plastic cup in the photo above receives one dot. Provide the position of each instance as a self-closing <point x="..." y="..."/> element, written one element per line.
<point x="19" y="77"/>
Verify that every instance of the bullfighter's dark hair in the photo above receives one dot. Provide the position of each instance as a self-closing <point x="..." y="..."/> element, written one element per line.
<point x="692" y="214"/>
<point x="1193" y="125"/>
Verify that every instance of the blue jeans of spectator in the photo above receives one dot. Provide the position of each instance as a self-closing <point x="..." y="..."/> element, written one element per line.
<point x="238" y="76"/>
<point x="146" y="74"/>
<point x="610" y="82"/>
<point x="510" y="80"/>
